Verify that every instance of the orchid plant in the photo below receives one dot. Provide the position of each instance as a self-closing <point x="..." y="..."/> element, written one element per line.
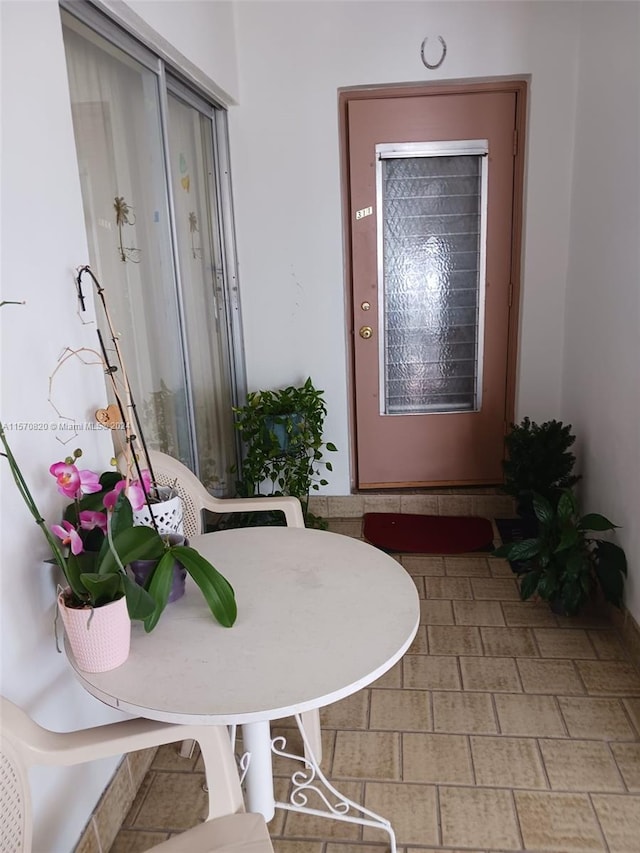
<point x="98" y="533"/>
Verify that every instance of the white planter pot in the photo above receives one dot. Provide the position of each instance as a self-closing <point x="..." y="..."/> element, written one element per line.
<point x="99" y="637"/>
<point x="167" y="513"/>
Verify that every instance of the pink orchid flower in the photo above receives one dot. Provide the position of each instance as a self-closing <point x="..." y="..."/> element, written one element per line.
<point x="73" y="483"/>
<point x="135" y="492"/>
<point x="89" y="520"/>
<point x="69" y="536"/>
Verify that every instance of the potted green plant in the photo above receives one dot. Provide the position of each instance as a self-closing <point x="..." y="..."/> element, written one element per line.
<point x="563" y="563"/>
<point x="282" y="431"/>
<point x="538" y="461"/>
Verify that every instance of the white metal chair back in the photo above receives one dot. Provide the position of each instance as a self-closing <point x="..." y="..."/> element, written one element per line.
<point x="24" y="743"/>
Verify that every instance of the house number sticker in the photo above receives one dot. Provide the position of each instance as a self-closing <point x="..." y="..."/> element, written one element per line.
<point x="366" y="211"/>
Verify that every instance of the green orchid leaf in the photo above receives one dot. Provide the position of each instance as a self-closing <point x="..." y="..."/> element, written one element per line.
<point x="160" y="588"/>
<point x="103" y="588"/>
<point x="139" y="602"/>
<point x="76" y="566"/>
<point x="121" y="519"/>
<point x="595" y="521"/>
<point x="136" y="543"/>
<point x="216" y="589"/>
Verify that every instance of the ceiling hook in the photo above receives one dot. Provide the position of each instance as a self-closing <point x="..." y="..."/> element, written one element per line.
<point x="429" y="65"/>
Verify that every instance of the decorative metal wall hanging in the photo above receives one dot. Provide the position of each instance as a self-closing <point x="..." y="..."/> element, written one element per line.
<point x="196" y="251"/>
<point x="125" y="216"/>
<point x="432" y="66"/>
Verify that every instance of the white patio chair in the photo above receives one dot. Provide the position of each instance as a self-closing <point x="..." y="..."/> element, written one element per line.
<point x="195" y="498"/>
<point x="23" y="743"/>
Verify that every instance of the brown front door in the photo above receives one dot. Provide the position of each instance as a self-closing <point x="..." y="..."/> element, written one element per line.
<point x="431" y="198"/>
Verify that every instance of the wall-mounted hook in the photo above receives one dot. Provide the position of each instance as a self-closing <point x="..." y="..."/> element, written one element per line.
<point x="429" y="65"/>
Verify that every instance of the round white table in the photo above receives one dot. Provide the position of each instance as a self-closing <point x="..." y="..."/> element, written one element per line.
<point x="320" y="616"/>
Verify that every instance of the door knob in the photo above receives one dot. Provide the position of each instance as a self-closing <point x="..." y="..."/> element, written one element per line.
<point x="366" y="332"/>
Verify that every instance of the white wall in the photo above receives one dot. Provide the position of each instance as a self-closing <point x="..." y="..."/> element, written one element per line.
<point x="601" y="392"/>
<point x="292" y="58"/>
<point x="43" y="241"/>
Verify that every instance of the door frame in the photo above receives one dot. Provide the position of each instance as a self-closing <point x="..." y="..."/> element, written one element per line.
<point x="519" y="87"/>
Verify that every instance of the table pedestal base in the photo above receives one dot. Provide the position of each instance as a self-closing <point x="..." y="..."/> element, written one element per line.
<point x="312" y="779"/>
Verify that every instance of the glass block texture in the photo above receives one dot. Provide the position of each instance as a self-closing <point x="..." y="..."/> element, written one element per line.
<point x="431" y="263"/>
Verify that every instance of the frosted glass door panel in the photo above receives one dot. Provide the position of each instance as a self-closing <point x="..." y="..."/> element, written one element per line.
<point x="431" y="282"/>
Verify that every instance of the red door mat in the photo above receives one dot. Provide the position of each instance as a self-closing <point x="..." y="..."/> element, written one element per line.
<point x="428" y="534"/>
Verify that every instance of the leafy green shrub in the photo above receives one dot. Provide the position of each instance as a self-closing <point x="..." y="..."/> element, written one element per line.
<point x="539" y="460"/>
<point x="283" y="435"/>
<point x="564" y="563"/>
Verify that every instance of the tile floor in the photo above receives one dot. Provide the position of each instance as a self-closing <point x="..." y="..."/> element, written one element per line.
<point x="503" y="728"/>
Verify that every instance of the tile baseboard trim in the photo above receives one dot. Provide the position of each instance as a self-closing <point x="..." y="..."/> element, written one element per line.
<point x="427" y="503"/>
<point x="114" y="804"/>
<point x="629" y="631"/>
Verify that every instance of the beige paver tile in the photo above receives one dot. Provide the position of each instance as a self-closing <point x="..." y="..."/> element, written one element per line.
<point x="305" y="826"/>
<point x="495" y="589"/>
<point x="580" y="765"/>
<point x="436" y="613"/>
<point x="423" y="565"/>
<point x="419" y="504"/>
<point x="620" y="819"/>
<point x="447" y="588"/>
<point x="508" y="642"/>
<point x="411" y="808"/>
<point x="473" y="817"/>
<point x="466" y="567"/>
<point x="564" y="643"/>
<point x="497" y="675"/>
<point x="454" y="640"/>
<point x="286" y="845"/>
<point x="463" y="713"/>
<point x="549" y="676"/>
<point x="437" y="758"/>
<point x="455" y="504"/>
<point x="424" y="672"/>
<point x="527" y="614"/>
<point x="175" y="802"/>
<point x="610" y="678"/>
<point x="419" y="584"/>
<point x="500" y="568"/>
<point x="608" y="645"/>
<point x="507" y="762"/>
<point x="401" y="710"/>
<point x="560" y="823"/>
<point x="346" y="526"/>
<point x="478" y="613"/>
<point x="133" y="841"/>
<point x="349" y="713"/>
<point x="633" y="709"/>
<point x="345" y="506"/>
<point x="367" y="755"/>
<point x="627" y="756"/>
<point x="588" y="717"/>
<point x="419" y="645"/>
<point x="382" y="503"/>
<point x="531" y="715"/>
<point x="391" y="678"/>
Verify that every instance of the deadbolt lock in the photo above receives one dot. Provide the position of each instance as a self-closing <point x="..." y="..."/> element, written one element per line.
<point x="366" y="306"/>
<point x="366" y="332"/>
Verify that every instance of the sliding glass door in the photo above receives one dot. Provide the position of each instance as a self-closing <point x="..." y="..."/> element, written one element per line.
<point x="147" y="159"/>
